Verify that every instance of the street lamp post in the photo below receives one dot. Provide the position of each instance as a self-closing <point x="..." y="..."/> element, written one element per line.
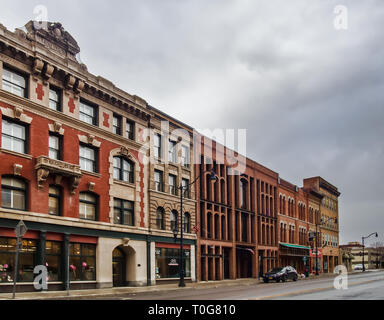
<point x="175" y="231"/>
<point x="363" y="238"/>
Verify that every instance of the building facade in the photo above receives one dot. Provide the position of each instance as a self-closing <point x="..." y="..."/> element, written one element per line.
<point x="72" y="150"/>
<point x="237" y="216"/>
<point x="329" y="221"/>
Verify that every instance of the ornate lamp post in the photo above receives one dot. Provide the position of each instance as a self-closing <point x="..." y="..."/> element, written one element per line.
<point x="363" y="238"/>
<point x="175" y="230"/>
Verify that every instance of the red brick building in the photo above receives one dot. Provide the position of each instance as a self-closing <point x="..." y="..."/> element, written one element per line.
<point x="237" y="217"/>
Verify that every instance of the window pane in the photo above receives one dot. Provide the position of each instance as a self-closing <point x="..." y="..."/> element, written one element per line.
<point x="6" y="198"/>
<point x="54" y="142"/>
<point x="53" y="206"/>
<point x="18" y="200"/>
<point x="117" y="162"/>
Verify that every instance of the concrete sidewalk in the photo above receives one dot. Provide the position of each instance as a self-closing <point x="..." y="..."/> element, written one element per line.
<point x="130" y="290"/>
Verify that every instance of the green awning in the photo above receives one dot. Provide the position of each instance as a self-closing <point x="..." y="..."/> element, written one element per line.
<point x="294" y="246"/>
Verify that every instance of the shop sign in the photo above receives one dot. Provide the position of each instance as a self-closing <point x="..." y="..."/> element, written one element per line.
<point x="173" y="263"/>
<point x="312" y="253"/>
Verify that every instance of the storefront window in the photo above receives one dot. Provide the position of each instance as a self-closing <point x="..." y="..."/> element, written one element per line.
<point x="168" y="261"/>
<point x="82" y="262"/>
<point x="52" y="260"/>
<point x="26" y="260"/>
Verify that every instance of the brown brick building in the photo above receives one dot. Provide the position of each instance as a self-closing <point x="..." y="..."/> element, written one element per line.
<point x="237" y="217"/>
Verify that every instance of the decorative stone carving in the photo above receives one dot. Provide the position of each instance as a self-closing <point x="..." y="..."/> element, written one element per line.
<point x="56" y="127"/>
<point x="18" y="112"/>
<point x="125" y="152"/>
<point x="91" y="186"/>
<point x="53" y="37"/>
<point x="48" y="71"/>
<point x="125" y="242"/>
<point x="17" y="169"/>
<point x="38" y="67"/>
<point x="91" y="138"/>
<point x="45" y="166"/>
<point x="70" y="81"/>
<point x="42" y="175"/>
<point x="79" y="86"/>
<point x="75" y="184"/>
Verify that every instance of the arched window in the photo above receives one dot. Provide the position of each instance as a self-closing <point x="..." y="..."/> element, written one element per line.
<point x="13" y="193"/>
<point x="88" y="206"/>
<point x="173" y="220"/>
<point x="123" y="169"/>
<point x="160" y="218"/>
<point x="222" y="190"/>
<point x="187" y="223"/>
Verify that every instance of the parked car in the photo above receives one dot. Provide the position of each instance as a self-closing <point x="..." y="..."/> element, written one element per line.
<point x="281" y="274"/>
<point x="358" y="267"/>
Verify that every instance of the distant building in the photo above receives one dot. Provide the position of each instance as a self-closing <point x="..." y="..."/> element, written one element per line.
<point x="373" y="257"/>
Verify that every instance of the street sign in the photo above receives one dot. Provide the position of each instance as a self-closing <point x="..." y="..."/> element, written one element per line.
<point x="304" y="259"/>
<point x="20" y="229"/>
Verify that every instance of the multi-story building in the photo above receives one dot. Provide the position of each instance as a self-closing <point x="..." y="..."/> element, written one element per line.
<point x="71" y="168"/>
<point x="237" y="217"/>
<point x="293" y="226"/>
<point x="329" y="221"/>
<point x="171" y="171"/>
<point x="372" y="255"/>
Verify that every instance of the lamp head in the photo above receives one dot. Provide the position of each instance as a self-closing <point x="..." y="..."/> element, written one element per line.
<point x="213" y="176"/>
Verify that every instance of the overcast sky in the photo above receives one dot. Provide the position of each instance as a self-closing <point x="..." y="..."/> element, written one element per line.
<point x="309" y="95"/>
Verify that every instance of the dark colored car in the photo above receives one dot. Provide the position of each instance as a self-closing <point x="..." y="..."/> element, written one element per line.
<point x="281" y="274"/>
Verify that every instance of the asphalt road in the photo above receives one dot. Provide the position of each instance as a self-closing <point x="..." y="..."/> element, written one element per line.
<point x="369" y="285"/>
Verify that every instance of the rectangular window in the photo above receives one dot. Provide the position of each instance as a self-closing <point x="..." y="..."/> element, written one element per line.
<point x="88" y="159"/>
<point x="54" y="202"/>
<point x="159" y="185"/>
<point x="88" y="206"/>
<point x="124" y="212"/>
<point x="54" y="99"/>
<point x="15" y="82"/>
<point x="185" y="184"/>
<point x="185" y="162"/>
<point x="167" y="263"/>
<point x="54" y="147"/>
<point x="116" y="124"/>
<point x="13" y="193"/>
<point x="88" y="113"/>
<point x="172" y="151"/>
<point x="130" y="130"/>
<point x="14" y="136"/>
<point x="172" y="184"/>
<point x="82" y="262"/>
<point x="157" y="146"/>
